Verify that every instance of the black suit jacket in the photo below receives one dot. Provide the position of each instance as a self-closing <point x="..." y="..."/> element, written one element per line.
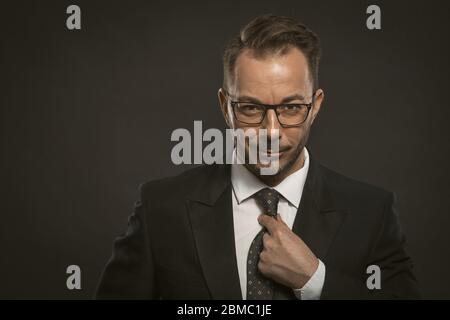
<point x="180" y="239"/>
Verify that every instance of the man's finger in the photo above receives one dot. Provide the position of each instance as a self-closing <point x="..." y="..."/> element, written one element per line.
<point x="270" y="223"/>
<point x="279" y="219"/>
<point x="266" y="237"/>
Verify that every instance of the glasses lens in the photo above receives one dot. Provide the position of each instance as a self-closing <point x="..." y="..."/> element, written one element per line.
<point x="292" y="114"/>
<point x="249" y="113"/>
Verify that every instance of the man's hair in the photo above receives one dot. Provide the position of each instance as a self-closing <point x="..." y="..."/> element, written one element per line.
<point x="270" y="35"/>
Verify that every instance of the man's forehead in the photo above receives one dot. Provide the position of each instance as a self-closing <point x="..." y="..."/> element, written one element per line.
<point x="287" y="70"/>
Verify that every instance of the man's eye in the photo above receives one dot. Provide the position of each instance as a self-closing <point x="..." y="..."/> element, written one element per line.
<point x="290" y="107"/>
<point x="250" y="108"/>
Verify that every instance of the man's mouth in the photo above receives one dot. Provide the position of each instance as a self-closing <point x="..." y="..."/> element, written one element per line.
<point x="273" y="153"/>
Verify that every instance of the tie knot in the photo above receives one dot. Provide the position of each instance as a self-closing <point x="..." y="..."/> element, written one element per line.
<point x="268" y="200"/>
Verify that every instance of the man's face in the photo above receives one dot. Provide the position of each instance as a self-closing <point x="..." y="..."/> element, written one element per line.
<point x="274" y="79"/>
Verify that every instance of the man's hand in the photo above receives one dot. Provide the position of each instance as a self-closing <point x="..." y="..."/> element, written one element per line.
<point x="285" y="258"/>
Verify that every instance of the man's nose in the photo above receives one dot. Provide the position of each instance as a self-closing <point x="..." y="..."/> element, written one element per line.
<point x="271" y="123"/>
<point x="270" y="120"/>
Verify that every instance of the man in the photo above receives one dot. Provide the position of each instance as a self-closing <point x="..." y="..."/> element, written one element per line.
<point x="229" y="232"/>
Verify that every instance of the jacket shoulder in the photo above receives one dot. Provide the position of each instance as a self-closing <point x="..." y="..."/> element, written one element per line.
<point x="181" y="184"/>
<point x="353" y="189"/>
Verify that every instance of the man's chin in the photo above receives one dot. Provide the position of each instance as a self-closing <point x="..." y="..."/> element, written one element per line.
<point x="274" y="168"/>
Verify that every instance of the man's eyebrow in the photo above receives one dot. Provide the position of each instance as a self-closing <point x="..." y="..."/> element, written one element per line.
<point x="287" y="99"/>
<point x="293" y="97"/>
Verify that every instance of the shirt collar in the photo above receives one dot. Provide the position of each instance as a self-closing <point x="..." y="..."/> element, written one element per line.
<point x="245" y="183"/>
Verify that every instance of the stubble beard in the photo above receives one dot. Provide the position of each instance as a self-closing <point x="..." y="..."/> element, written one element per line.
<point x="284" y="170"/>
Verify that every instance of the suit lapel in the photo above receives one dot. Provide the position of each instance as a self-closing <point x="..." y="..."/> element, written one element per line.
<point x="211" y="216"/>
<point x="318" y="219"/>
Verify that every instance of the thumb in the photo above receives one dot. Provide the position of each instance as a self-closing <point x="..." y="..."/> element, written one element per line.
<point x="279" y="219"/>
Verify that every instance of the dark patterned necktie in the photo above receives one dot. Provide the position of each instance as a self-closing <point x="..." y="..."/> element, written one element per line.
<point x="258" y="286"/>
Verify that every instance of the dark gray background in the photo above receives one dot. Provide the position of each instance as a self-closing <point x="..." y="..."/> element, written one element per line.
<point x="86" y="116"/>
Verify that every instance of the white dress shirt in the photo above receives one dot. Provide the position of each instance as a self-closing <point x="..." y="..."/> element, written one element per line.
<point x="246" y="226"/>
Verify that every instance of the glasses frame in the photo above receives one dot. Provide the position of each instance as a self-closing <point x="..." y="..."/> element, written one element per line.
<point x="271" y="107"/>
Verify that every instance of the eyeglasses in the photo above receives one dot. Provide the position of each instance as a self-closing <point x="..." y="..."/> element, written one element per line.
<point x="288" y="114"/>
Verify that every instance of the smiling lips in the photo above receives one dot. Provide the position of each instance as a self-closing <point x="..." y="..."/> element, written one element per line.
<point x="279" y="153"/>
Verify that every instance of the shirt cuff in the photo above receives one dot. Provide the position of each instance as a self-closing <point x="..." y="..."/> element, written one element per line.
<point x="313" y="288"/>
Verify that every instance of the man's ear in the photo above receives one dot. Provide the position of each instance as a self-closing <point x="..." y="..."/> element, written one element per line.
<point x="319" y="96"/>
<point x="224" y="107"/>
